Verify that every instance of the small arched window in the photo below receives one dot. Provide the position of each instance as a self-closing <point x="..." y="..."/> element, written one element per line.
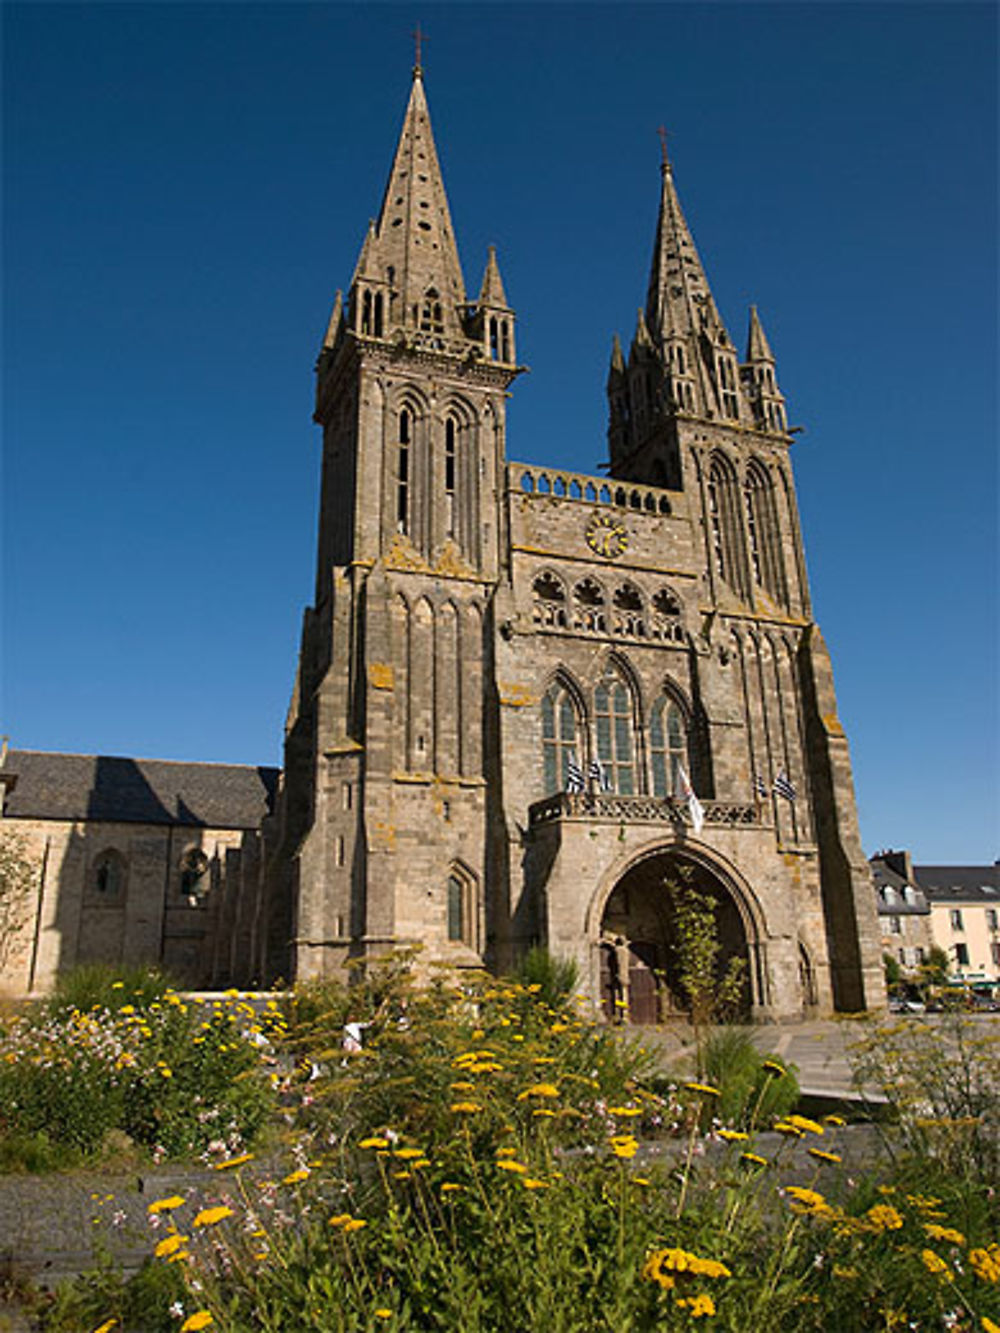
<point x="667" y="746"/>
<point x="462" y="907"/>
<point x="194" y="874"/>
<point x="615" y="741"/>
<point x="108" y="878"/>
<point x="588" y="606"/>
<point x="559" y="738"/>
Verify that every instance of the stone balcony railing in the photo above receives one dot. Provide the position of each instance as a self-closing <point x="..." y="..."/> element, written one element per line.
<point x="638" y="810"/>
<point x="531" y="480"/>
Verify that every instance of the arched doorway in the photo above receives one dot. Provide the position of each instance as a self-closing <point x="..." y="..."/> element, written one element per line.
<point x="639" y="960"/>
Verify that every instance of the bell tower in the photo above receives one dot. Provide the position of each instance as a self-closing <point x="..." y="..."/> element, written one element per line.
<point x="382" y="832"/>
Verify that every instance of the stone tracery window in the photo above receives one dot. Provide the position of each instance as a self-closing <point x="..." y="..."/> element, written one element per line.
<point x="560" y="731"/>
<point x="549" y="601"/>
<point x="613" y="720"/>
<point x="668" y="748"/>
<point x="627" y="602"/>
<point x="588" y="606"/>
<point x="665" y="620"/>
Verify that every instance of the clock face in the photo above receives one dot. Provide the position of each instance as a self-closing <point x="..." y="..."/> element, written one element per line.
<point x="607" y="536"/>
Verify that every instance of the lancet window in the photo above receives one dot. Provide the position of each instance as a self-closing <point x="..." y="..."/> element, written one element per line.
<point x="450" y="469"/>
<point x="462" y="907"/>
<point x="403" y="471"/>
<point x="560" y="732"/>
<point x="108" y="879"/>
<point x="667" y="745"/>
<point x="613" y="719"/>
<point x="762" y="532"/>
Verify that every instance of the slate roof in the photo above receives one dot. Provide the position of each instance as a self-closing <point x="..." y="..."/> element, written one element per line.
<point x="146" y="791"/>
<point x="885" y="877"/>
<point x="970" y="884"/>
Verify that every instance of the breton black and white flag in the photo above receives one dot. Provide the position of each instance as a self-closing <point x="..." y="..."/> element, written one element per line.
<point x="598" y="775"/>
<point x="760" y="787"/>
<point x="574" y="775"/>
<point x="783" y="786"/>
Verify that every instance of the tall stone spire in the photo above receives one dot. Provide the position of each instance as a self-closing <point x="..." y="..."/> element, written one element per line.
<point x="760" y="382"/>
<point x="411" y="251"/>
<point x="679" y="302"/>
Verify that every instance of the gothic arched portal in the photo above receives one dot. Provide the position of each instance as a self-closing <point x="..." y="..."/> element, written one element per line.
<point x="639" y="962"/>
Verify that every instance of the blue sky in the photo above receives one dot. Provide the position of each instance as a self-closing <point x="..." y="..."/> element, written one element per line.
<point x="186" y="185"/>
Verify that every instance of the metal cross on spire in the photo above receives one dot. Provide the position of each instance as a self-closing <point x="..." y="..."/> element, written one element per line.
<point x="662" y="132"/>
<point x="419" y="37"/>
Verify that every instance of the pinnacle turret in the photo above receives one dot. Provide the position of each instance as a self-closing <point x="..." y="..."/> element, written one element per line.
<point x="491" y="293"/>
<point x="760" y="384"/>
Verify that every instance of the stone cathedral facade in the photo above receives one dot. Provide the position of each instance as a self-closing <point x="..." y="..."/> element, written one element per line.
<point x="528" y="701"/>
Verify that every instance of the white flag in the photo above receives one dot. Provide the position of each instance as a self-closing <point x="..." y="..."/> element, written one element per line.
<point x="695" y="808"/>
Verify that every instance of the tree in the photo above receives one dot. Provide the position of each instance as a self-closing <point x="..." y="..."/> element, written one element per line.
<point x="713" y="993"/>
<point x="17" y="878"/>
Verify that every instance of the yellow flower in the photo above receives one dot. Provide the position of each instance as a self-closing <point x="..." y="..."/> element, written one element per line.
<point x="989" y="1326"/>
<point x="465" y="1108"/>
<point x="209" y="1216"/>
<point x="624" y="1110"/>
<point x="463" y="1086"/>
<point x="948" y="1234"/>
<point x="624" y="1146"/>
<point x="507" y="1164"/>
<point x="108" y="1324"/>
<point x="355" y="1224"/>
<point x="986" y="1263"/>
<point x="733" y="1135"/>
<point x="127" y="1009"/>
<point x="197" y="1321"/>
<point x="773" y="1067"/>
<point x="294" y="1177"/>
<point x="883" y="1217"/>
<point x="506" y="1152"/>
<point x="935" y="1264"/>
<point x="836" y="1120"/>
<point x="804" y="1123"/>
<point x="169" y="1245"/>
<point x="178" y="1256"/>
<point x="374" y="1143"/>
<point x="531" y="1184"/>
<point x="165" y="1205"/>
<point x="382" y="1314"/>
<point x="539" y="1090"/>
<point x="543" y="1112"/>
<point x="848" y="1273"/>
<point x="401" y="1175"/>
<point x="788" y="1129"/>
<point x="639" y="1180"/>
<point x="697" y="1305"/>
<point x="449" y="1187"/>
<point x="408" y="1154"/>
<point x="822" y="1156"/>
<point x="706" y="1088"/>
<point x="234" y="1161"/>
<point x="752" y="1159"/>
<point x="804" y="1200"/>
<point x="340" y="1220"/>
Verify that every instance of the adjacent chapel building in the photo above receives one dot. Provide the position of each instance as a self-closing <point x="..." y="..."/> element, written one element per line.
<point x="532" y="706"/>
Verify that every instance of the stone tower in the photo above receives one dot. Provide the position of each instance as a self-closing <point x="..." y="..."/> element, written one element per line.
<point x="528" y="700"/>
<point x="385" y="800"/>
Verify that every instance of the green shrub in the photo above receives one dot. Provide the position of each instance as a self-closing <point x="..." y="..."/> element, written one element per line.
<point x="755" y="1089"/>
<point x="177" y="1077"/>
<point x="553" y="979"/>
<point x="103" y="986"/>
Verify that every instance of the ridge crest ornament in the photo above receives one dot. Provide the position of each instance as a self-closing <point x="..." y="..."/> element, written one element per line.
<point x="607" y="536"/>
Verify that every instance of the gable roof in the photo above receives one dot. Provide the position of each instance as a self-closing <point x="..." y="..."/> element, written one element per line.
<point x="147" y="791"/>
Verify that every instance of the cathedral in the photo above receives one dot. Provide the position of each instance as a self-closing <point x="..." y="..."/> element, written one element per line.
<point x="531" y="706"/>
